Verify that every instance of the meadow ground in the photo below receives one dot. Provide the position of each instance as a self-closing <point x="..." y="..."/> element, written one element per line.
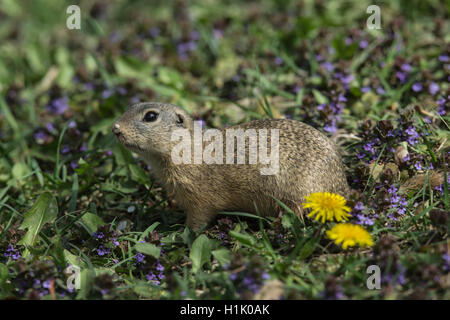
<point x="70" y="195"/>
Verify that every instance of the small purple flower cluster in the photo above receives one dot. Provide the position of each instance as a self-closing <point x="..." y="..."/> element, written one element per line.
<point x="151" y="267"/>
<point x="332" y="290"/>
<point x="440" y="188"/>
<point x="37" y="279"/>
<point x="443" y="105"/>
<point x="332" y="112"/>
<point x="370" y="149"/>
<point x="446" y="258"/>
<point x="397" y="202"/>
<point x="412" y="136"/>
<point x="251" y="281"/>
<point x="156" y="278"/>
<point x="186" y="47"/>
<point x="58" y="105"/>
<point x="106" y="240"/>
<point x="12" y="252"/>
<point x="364" y="219"/>
<point x="397" y="277"/>
<point x="403" y="73"/>
<point x="247" y="277"/>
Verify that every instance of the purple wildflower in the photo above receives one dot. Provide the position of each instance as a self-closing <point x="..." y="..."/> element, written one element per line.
<point x="381" y="91"/>
<point x="115" y="242"/>
<point x="327" y="66"/>
<point x="122" y="91"/>
<point x="406" y="67"/>
<point x="441" y="106"/>
<point x="401" y="76"/>
<point x="99" y="235"/>
<point x="159" y="266"/>
<point x="40" y="136"/>
<point x="134" y="100"/>
<point x="154" y="32"/>
<point x="330" y="127"/>
<point x="278" y="61"/>
<point x="46" y="284"/>
<point x="365" y="220"/>
<point x="363" y="44"/>
<point x="359" y="206"/>
<point x="58" y="106"/>
<point x="446" y="258"/>
<point x="89" y="86"/>
<point x="444" y="58"/>
<point x="413" y="136"/>
<point x="152" y="277"/>
<point x="106" y="93"/>
<point x="416" y="87"/>
<point x="218" y="34"/>
<point x="101" y="251"/>
<point x="74" y="164"/>
<point x="65" y="149"/>
<point x="397" y="202"/>
<point x="369" y="147"/>
<point x="342" y="98"/>
<point x="49" y="126"/>
<point x="139" y="257"/>
<point x="433" y="88"/>
<point x="12" y="252"/>
<point x="392" y="189"/>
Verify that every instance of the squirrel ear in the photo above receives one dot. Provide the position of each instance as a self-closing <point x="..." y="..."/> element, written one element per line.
<point x="181" y="121"/>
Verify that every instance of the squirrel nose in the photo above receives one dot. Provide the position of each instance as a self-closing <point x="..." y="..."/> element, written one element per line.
<point x="116" y="129"/>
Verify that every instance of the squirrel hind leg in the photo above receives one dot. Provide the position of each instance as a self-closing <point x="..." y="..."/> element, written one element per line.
<point x="196" y="219"/>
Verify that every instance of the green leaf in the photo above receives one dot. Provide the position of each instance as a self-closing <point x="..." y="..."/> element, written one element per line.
<point x="148" y="249"/>
<point x="92" y="222"/>
<point x="200" y="252"/>
<point x="291" y="221"/>
<point x="243" y="214"/>
<point x="188" y="236"/>
<point x="308" y="248"/>
<point x="122" y="155"/>
<point x="72" y="259"/>
<point x="144" y="289"/>
<point x="320" y="98"/>
<point x="139" y="175"/>
<point x="4" y="274"/>
<point x="149" y="230"/>
<point x="19" y="170"/>
<point x="244" y="238"/>
<point x="222" y="256"/>
<point x="43" y="211"/>
<point x="87" y="277"/>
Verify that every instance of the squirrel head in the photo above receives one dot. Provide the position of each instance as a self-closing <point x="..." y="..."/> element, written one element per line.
<point x="146" y="128"/>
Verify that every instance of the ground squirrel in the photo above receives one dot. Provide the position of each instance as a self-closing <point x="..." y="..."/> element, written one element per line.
<point x="307" y="162"/>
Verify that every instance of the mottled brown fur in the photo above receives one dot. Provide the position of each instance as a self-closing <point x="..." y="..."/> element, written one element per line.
<point x="308" y="162"/>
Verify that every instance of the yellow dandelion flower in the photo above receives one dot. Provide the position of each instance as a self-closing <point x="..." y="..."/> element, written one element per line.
<point x="350" y="235"/>
<point x="327" y="206"/>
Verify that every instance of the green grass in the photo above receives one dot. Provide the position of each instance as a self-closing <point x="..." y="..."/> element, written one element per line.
<point x="70" y="195"/>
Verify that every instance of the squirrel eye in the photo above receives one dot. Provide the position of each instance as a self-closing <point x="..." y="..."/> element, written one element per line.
<point x="180" y="119"/>
<point x="150" y="116"/>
